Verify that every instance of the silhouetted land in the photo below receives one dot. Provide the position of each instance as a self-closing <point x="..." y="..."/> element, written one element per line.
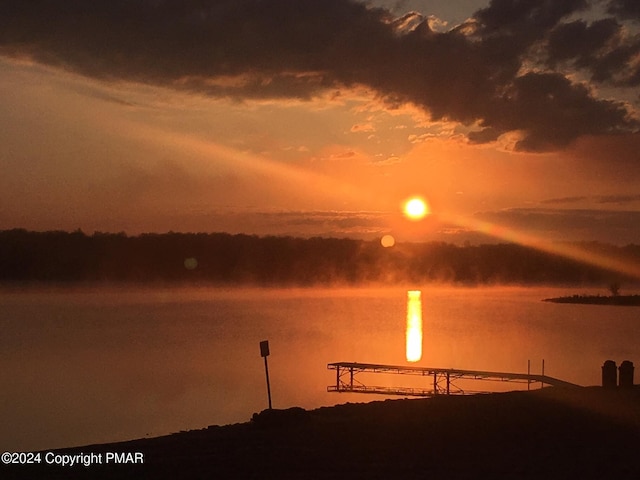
<point x="220" y="258"/>
<point x="622" y="300"/>
<point x="589" y="433"/>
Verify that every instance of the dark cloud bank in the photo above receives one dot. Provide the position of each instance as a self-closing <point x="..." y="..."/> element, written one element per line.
<point x="504" y="69"/>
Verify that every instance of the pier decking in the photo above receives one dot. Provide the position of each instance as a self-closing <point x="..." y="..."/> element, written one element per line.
<point x="442" y="380"/>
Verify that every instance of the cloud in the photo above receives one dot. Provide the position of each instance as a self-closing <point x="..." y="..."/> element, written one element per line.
<point x="565" y="200"/>
<point x="600" y="199"/>
<point x="523" y="22"/>
<point x="601" y="48"/>
<point x="618" y="199"/>
<point x="343" y="220"/>
<point x="479" y="73"/>
<point x="629" y="9"/>
<point x="363" y="127"/>
<point x="361" y="224"/>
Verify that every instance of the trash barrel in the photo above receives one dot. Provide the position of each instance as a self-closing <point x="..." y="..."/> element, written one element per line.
<point x="609" y="374"/>
<point x="626" y="374"/>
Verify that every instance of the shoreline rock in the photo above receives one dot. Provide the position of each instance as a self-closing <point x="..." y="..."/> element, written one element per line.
<point x="584" y="433"/>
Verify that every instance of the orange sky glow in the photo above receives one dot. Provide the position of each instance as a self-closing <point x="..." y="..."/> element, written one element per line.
<point x="125" y="150"/>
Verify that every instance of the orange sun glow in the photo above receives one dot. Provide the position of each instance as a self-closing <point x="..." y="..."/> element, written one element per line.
<point x="416" y="208"/>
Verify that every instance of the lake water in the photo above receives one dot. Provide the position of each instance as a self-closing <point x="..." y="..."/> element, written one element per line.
<point x="99" y="365"/>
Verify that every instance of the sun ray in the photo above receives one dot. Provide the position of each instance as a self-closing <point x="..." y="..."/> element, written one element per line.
<point x="567" y="250"/>
<point x="212" y="153"/>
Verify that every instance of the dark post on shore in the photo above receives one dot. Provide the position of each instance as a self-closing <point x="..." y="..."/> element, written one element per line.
<point x="264" y="352"/>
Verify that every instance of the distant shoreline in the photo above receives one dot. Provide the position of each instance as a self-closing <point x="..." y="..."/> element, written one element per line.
<point x="240" y="259"/>
<point x="618" y="300"/>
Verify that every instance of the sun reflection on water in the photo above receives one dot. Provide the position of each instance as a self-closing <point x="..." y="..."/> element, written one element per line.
<point x="414" y="326"/>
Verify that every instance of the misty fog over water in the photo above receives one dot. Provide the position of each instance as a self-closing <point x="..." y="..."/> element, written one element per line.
<point x="94" y="365"/>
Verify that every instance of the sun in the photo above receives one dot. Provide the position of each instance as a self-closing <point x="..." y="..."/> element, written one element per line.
<point x="416" y="208"/>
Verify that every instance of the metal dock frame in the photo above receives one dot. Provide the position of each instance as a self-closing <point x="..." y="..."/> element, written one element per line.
<point x="443" y="379"/>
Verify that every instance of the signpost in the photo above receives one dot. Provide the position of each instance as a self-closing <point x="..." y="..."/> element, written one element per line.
<point x="264" y="352"/>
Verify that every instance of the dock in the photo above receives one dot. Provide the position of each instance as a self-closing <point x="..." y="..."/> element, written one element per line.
<point x="441" y="381"/>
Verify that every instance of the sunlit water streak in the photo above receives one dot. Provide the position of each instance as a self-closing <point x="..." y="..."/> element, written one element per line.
<point x="414" y="326"/>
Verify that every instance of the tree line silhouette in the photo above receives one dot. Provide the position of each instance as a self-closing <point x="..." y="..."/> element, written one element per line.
<point x="221" y="258"/>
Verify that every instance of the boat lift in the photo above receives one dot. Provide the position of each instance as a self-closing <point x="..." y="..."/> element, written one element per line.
<point x="442" y="379"/>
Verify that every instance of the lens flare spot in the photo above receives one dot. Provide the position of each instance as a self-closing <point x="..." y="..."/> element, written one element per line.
<point x="416" y="208"/>
<point x="387" y="241"/>
<point x="414" y="326"/>
<point x="190" y="263"/>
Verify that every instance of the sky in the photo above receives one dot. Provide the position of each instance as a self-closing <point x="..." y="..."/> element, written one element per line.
<point x="513" y="119"/>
